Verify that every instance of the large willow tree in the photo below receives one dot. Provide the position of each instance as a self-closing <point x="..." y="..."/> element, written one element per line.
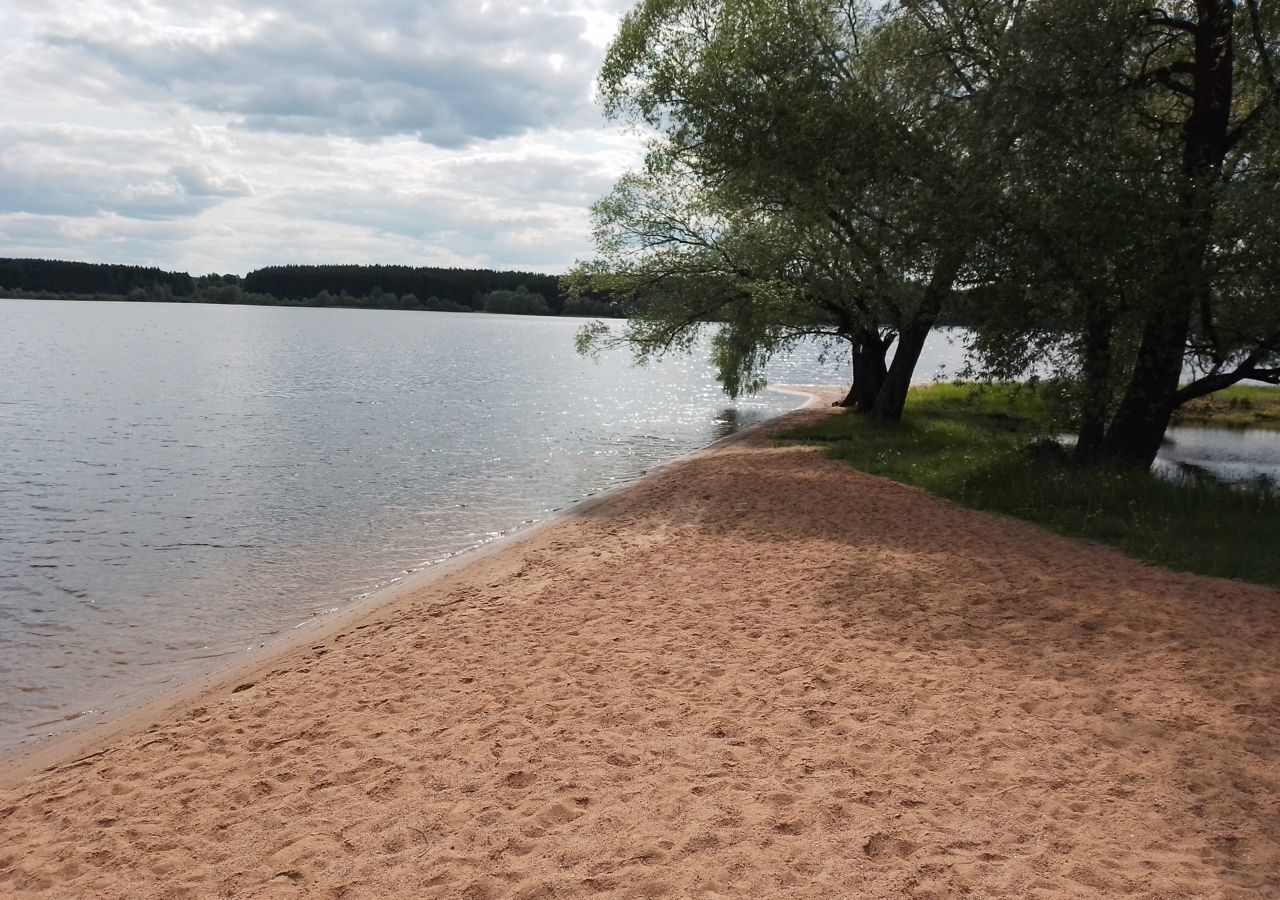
<point x="828" y="169"/>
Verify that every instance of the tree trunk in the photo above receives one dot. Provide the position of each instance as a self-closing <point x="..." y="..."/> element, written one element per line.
<point x="892" y="398"/>
<point x="869" y="368"/>
<point x="1138" y="428"/>
<point x="1136" y="432"/>
<point x="1095" y="375"/>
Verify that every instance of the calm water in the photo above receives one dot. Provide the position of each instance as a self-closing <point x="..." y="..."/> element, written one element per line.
<point x="1235" y="455"/>
<point x="178" y="483"/>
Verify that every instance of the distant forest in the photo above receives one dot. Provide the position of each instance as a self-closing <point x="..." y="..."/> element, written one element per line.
<point x="362" y="287"/>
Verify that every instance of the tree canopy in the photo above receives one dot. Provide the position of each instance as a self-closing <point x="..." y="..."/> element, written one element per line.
<point x="465" y="287"/>
<point x="1096" y="183"/>
<point x="367" y="287"/>
<point x="89" y="278"/>
<point x="813" y="130"/>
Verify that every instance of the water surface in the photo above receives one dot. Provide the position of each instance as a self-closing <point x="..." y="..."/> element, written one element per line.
<point x="180" y="482"/>
<point x="1227" y="454"/>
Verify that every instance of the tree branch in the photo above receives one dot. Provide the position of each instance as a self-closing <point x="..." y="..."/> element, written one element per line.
<point x="1249" y="122"/>
<point x="1216" y="381"/>
<point x="1260" y="41"/>
<point x="1161" y="19"/>
<point x="1163" y="76"/>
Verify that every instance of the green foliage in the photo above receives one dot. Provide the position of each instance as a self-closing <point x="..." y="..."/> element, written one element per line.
<point x="62" y="277"/>
<point x="1101" y="182"/>
<point x="587" y="306"/>
<point x="432" y="304"/>
<point x="812" y="173"/>
<point x="971" y="444"/>
<point x="439" y="304"/>
<point x="518" y="302"/>
<point x="505" y="291"/>
<point x="465" y="287"/>
<point x="677" y="258"/>
<point x="1139" y="228"/>
<point x="1242" y="406"/>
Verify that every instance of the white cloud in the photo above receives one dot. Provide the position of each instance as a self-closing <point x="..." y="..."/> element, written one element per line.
<point x="206" y="181"/>
<point x="221" y="136"/>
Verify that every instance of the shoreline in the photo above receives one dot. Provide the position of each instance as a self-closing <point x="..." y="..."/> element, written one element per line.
<point x="166" y="699"/>
<point x="756" y="671"/>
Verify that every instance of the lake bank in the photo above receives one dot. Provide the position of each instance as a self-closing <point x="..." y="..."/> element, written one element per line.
<point x="163" y="700"/>
<point x="758" y="671"/>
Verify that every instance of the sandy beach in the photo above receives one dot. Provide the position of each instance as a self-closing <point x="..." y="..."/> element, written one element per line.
<point x="756" y="673"/>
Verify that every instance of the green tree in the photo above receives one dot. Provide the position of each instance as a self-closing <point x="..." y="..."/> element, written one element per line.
<point x="1212" y="100"/>
<point x="1139" y="212"/>
<point x="823" y="134"/>
<point x="679" y="259"/>
<point x="521" y="301"/>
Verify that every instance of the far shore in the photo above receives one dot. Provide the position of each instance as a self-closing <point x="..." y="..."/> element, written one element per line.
<point x="756" y="672"/>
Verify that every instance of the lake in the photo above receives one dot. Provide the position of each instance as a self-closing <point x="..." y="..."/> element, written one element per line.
<point x="182" y="482"/>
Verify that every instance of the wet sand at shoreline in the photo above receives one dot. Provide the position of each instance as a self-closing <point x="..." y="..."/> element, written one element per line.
<point x="757" y="673"/>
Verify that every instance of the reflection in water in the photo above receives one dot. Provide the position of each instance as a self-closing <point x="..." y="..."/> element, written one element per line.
<point x="726" y="423"/>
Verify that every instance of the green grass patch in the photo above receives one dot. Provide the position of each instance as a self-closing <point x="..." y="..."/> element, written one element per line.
<point x="973" y="444"/>
<point x="1242" y="406"/>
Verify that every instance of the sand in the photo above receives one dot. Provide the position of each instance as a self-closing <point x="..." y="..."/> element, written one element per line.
<point x="758" y="673"/>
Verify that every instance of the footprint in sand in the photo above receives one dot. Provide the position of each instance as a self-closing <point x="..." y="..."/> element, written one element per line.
<point x="519" y="779"/>
<point x="885" y="846"/>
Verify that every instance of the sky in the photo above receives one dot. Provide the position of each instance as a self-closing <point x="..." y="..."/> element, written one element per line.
<point x="225" y="135"/>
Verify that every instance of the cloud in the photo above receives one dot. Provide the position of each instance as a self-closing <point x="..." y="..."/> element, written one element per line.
<point x="247" y="201"/>
<point x="70" y="171"/>
<point x="540" y="176"/>
<point x="449" y="73"/>
<point x="512" y="204"/>
<point x="110" y="238"/>
<point x="229" y="134"/>
<point x="205" y="181"/>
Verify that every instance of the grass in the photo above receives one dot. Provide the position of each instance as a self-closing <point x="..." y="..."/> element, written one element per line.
<point x="1241" y="406"/>
<point x="973" y="444"/>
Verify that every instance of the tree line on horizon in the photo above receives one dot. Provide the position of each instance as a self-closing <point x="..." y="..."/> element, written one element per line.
<point x="363" y="287"/>
<point x="1096" y="183"/>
